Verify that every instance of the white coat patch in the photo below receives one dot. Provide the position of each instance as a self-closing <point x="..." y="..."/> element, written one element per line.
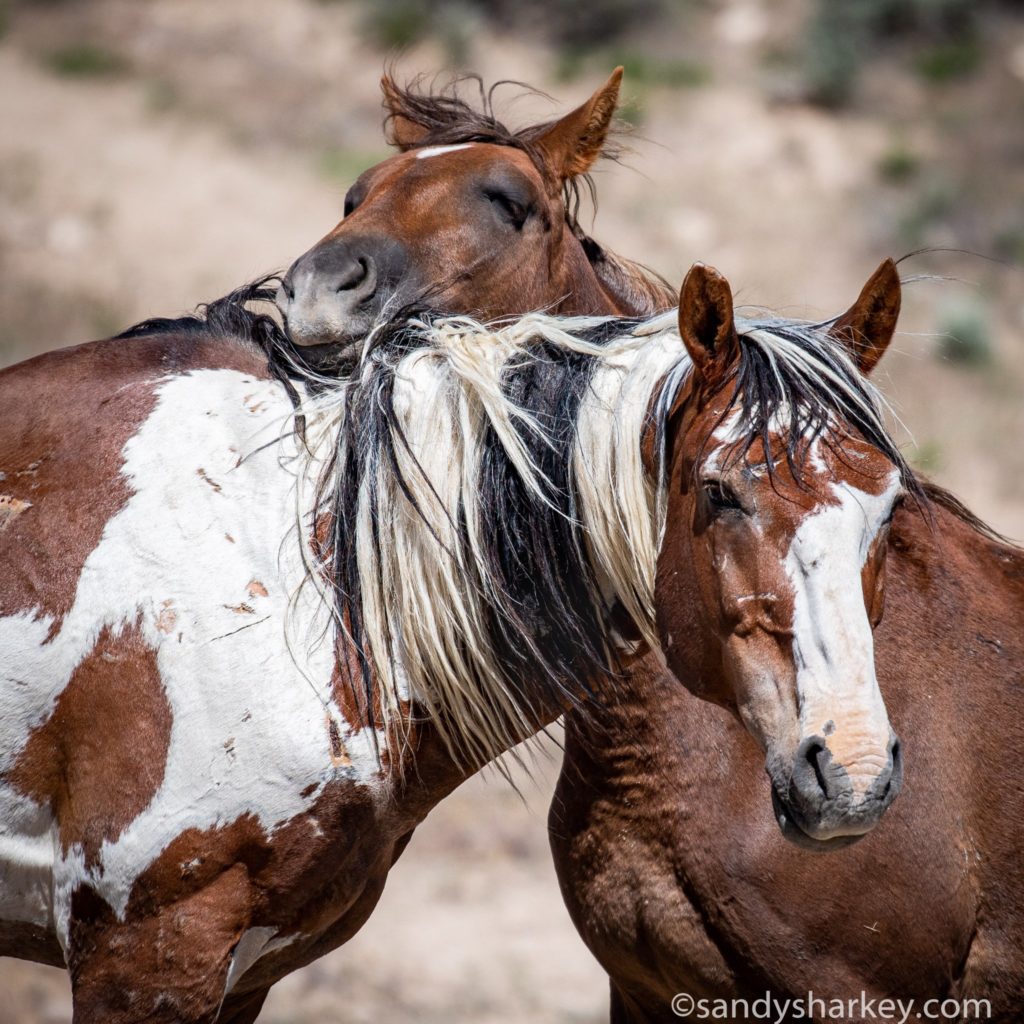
<point x="207" y="555"/>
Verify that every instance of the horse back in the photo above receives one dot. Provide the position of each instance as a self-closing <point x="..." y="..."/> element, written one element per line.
<point x="66" y="418"/>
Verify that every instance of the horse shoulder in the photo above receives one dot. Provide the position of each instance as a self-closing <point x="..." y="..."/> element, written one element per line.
<point x="156" y="720"/>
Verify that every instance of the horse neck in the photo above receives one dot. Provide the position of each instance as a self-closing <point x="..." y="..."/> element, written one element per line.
<point x="633" y="290"/>
<point x="961" y="587"/>
<point x="605" y="286"/>
<point x="598" y="282"/>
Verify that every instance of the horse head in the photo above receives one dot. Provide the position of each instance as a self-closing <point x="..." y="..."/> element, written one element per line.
<point x="781" y="484"/>
<point x="468" y="217"/>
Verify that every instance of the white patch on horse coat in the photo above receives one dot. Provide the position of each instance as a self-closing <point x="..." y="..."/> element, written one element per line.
<point x="254" y="943"/>
<point x="833" y="645"/>
<point x="248" y="694"/>
<point x="429" y="151"/>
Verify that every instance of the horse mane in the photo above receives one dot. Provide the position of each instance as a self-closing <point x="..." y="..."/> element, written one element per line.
<point x="455" y="561"/>
<point x="448" y="119"/>
<point x="234" y="317"/>
<point x="940" y="496"/>
<point x="231" y="315"/>
<point x="795" y="379"/>
<point x="477" y="503"/>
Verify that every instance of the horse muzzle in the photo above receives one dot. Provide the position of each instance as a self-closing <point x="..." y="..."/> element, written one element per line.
<point x="336" y="292"/>
<point x="824" y="805"/>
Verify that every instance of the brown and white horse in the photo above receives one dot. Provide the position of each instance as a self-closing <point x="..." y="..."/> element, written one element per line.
<point x="198" y="793"/>
<point x="668" y="859"/>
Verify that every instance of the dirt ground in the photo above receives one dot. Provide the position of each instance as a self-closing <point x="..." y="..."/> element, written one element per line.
<point x="154" y="155"/>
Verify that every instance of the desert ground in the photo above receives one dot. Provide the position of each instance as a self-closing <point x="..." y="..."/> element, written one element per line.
<point x="155" y="154"/>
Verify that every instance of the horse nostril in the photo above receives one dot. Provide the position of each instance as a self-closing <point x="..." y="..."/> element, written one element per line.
<point x="895" y="779"/>
<point x="813" y="755"/>
<point x="354" y="274"/>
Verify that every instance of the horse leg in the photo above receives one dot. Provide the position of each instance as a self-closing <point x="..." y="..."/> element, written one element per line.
<point x="167" y="967"/>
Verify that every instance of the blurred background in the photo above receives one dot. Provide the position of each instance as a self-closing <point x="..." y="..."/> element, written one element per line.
<point x="156" y="153"/>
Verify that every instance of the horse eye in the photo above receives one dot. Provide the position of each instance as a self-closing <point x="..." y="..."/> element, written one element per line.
<point x="507" y="207"/>
<point x="351" y="201"/>
<point x="721" y="497"/>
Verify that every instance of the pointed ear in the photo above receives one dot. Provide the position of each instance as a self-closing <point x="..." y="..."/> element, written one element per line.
<point x="706" y="322"/>
<point x="399" y="131"/>
<point x="572" y="144"/>
<point x="867" y="327"/>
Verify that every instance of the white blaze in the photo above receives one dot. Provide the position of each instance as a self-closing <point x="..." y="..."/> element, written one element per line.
<point x="833" y="644"/>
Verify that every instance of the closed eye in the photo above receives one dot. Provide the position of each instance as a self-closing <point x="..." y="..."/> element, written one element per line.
<point x="356" y="194"/>
<point x="509" y="209"/>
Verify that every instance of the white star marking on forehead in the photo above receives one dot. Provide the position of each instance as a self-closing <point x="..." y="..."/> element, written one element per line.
<point x="426" y="154"/>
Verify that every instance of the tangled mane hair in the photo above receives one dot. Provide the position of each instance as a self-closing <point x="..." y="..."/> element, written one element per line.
<point x="478" y="509"/>
<point x="448" y="119"/>
<point x="795" y="380"/>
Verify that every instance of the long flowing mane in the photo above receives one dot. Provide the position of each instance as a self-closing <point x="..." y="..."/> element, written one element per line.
<point x="447" y="118"/>
<point x="480" y="512"/>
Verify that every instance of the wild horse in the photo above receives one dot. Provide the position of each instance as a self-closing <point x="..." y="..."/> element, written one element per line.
<point x="204" y="778"/>
<point x="243" y="660"/>
<point x="667" y="857"/>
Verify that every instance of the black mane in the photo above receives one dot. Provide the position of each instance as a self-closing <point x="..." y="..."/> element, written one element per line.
<point x="233" y="316"/>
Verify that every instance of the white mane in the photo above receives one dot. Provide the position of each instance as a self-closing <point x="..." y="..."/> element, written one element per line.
<point x="419" y="419"/>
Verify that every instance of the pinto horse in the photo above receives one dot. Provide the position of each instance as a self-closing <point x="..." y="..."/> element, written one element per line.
<point x="669" y="864"/>
<point x="204" y="776"/>
<point x="241" y="662"/>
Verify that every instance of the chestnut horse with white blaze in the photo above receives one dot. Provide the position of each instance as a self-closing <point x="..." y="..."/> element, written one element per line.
<point x="205" y="766"/>
<point x="782" y="548"/>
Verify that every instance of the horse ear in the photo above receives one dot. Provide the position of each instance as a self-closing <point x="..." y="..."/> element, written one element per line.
<point x="399" y="130"/>
<point x="867" y="327"/>
<point x="706" y="322"/>
<point x="574" y="142"/>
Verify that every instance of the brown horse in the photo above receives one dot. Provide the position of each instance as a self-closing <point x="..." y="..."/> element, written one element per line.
<point x="667" y="857"/>
<point x="469" y="217"/>
<point x="203" y="780"/>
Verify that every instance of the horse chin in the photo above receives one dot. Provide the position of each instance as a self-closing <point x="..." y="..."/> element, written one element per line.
<point x="798" y="837"/>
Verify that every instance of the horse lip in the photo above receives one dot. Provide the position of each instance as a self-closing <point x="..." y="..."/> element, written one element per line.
<point x="792" y="830"/>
